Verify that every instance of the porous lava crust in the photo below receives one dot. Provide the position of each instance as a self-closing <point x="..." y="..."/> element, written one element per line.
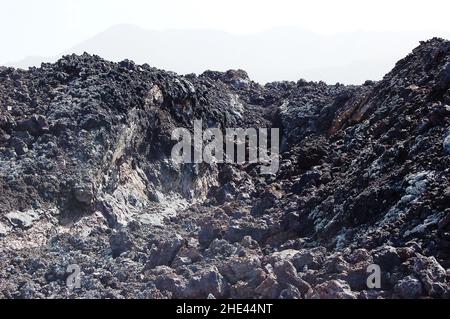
<point x="86" y="179"/>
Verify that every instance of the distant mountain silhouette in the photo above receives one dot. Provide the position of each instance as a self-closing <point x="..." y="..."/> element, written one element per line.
<point x="277" y="54"/>
<point x="30" y="61"/>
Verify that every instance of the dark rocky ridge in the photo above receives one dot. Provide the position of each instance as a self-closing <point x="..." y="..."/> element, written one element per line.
<point x="85" y="179"/>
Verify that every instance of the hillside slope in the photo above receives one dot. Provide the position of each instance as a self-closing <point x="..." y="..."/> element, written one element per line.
<point x="86" y="179"/>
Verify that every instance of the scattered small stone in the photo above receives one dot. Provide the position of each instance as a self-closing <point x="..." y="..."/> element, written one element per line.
<point x="120" y="242"/>
<point x="23" y="219"/>
<point x="334" y="289"/>
<point x="287" y="275"/>
<point x="409" y="288"/>
<point x="164" y="252"/>
<point x="432" y="275"/>
<point x="446" y="143"/>
<point x="3" y="230"/>
<point x="84" y="194"/>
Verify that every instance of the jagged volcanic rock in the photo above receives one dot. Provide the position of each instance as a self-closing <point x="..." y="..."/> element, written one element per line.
<point x="86" y="179"/>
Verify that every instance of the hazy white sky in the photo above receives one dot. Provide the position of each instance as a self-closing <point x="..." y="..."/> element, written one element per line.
<point x="48" y="27"/>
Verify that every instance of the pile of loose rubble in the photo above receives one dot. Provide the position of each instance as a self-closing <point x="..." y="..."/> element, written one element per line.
<point x="86" y="179"/>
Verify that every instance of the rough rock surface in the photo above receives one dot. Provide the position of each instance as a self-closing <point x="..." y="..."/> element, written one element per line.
<point x="86" y="179"/>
